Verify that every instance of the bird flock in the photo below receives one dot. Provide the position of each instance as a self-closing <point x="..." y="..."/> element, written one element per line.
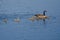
<point x="33" y="18"/>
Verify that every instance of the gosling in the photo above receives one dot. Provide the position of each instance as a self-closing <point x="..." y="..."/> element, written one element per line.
<point x="17" y="20"/>
<point x="5" y="20"/>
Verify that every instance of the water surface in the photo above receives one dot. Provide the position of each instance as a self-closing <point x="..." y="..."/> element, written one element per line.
<point x="26" y="29"/>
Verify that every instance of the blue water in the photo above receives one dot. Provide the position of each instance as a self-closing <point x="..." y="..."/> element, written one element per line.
<point x="26" y="29"/>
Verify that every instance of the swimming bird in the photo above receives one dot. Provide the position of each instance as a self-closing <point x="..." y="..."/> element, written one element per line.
<point x="32" y="18"/>
<point x="5" y="20"/>
<point x="17" y="19"/>
<point x="41" y="16"/>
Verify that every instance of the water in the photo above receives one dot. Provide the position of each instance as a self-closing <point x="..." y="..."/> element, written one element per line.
<point x="26" y="29"/>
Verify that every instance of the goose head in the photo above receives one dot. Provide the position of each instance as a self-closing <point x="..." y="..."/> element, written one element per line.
<point x="44" y="12"/>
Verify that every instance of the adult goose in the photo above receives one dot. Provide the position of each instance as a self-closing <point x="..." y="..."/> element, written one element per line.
<point x="41" y="16"/>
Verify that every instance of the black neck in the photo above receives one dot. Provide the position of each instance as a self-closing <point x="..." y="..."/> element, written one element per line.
<point x="44" y="13"/>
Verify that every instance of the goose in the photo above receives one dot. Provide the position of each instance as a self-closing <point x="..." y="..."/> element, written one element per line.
<point x="32" y="18"/>
<point x="17" y="20"/>
<point x="5" y="20"/>
<point x="41" y="16"/>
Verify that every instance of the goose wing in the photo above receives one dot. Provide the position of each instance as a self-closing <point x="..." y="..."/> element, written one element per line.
<point x="39" y="15"/>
